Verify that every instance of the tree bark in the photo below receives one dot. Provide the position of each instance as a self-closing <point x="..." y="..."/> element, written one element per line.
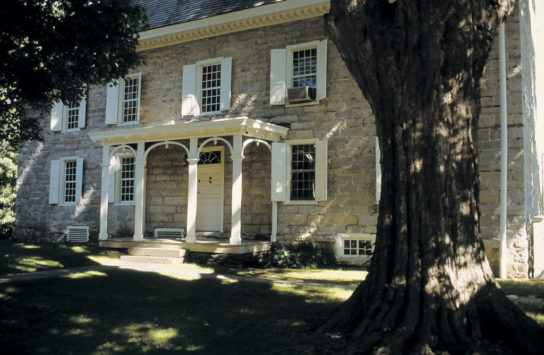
<point x="429" y="287"/>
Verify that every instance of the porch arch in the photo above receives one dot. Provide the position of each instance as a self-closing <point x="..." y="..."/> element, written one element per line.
<point x="254" y="140"/>
<point x="166" y="143"/>
<point x="214" y="139"/>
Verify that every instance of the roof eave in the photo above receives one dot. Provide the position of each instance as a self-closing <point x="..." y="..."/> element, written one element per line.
<point x="266" y="15"/>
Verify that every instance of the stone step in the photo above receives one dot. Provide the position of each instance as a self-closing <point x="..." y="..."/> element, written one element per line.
<point x="151" y="259"/>
<point x="162" y="252"/>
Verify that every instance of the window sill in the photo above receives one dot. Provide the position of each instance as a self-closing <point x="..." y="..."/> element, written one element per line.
<point x="124" y="203"/>
<point x="128" y="123"/>
<point x="311" y="103"/>
<point x="301" y="202"/>
<point x="68" y="204"/>
<point x="71" y="130"/>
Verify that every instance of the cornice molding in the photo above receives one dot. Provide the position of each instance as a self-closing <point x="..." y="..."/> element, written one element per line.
<point x="267" y="15"/>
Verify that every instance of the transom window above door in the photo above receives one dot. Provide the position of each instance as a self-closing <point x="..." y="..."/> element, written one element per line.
<point x="211" y="157"/>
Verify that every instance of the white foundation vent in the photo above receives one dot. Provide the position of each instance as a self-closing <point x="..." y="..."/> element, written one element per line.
<point x="169" y="232"/>
<point x="77" y="234"/>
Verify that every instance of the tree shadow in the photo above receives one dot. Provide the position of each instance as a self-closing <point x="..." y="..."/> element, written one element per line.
<point x="124" y="311"/>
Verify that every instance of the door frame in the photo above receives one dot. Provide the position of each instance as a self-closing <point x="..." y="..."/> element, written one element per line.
<point x="220" y="166"/>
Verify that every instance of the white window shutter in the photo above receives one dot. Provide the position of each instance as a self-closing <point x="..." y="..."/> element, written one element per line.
<point x="112" y="102"/>
<point x="321" y="70"/>
<point x="54" y="182"/>
<point x="278" y="86"/>
<point x="321" y="170"/>
<point x="189" y="103"/>
<point x="56" y="117"/>
<point x="226" y="70"/>
<point x="79" y="179"/>
<point x="378" y="171"/>
<point x="82" y="112"/>
<point x="112" y="170"/>
<point x="279" y="172"/>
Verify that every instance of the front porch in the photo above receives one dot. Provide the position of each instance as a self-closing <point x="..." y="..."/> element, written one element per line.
<point x="202" y="177"/>
<point x="202" y="245"/>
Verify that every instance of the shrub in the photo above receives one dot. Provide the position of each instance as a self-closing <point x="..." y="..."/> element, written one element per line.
<point x="303" y="254"/>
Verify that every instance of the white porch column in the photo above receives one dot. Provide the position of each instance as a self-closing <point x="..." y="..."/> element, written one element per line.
<point x="274" y="234"/>
<point x="104" y="193"/>
<point x="236" y="221"/>
<point x="139" y="192"/>
<point x="193" y="191"/>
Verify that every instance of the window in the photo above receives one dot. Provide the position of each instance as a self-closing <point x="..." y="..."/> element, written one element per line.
<point x="68" y="117"/>
<point x="299" y="171"/>
<point x="304" y="68"/>
<point x="298" y="66"/>
<point x="358" y="247"/>
<point x="210" y="95"/>
<point x="131" y="99"/>
<point x="127" y="179"/>
<point x="303" y="172"/>
<point x="122" y="177"/>
<point x="66" y="179"/>
<point x="123" y="100"/>
<point x="70" y="181"/>
<point x="206" y="87"/>
<point x="354" y="248"/>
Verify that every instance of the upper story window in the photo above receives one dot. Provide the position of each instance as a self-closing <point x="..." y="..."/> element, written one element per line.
<point x="66" y="179"/>
<point x="68" y="117"/>
<point x="123" y="100"/>
<point x="210" y="94"/>
<point x="206" y="87"/>
<point x="298" y="73"/>
<point x="305" y="68"/>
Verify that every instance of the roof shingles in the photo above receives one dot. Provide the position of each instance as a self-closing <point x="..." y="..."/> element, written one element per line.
<point x="161" y="13"/>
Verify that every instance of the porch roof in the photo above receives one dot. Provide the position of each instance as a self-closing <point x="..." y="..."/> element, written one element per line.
<point x="186" y="129"/>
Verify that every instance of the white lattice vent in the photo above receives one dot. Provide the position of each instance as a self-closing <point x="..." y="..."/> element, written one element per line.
<point x="77" y="234"/>
<point x="169" y="232"/>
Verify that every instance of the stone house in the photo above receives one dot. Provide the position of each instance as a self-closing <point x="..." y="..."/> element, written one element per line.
<point x="245" y="123"/>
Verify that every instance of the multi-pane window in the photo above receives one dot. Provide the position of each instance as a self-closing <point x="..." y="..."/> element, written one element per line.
<point x="70" y="172"/>
<point x="130" y="99"/>
<point x="210" y="95"/>
<point x="305" y="68"/>
<point x="72" y="115"/>
<point x="127" y="179"/>
<point x="303" y="172"/>
<point x="358" y="247"/>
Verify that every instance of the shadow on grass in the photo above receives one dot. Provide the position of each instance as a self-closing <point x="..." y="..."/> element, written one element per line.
<point x="16" y="257"/>
<point x="122" y="311"/>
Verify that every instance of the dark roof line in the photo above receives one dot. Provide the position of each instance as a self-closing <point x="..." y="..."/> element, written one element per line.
<point x="162" y="13"/>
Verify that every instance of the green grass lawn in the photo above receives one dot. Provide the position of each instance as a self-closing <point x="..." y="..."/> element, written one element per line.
<point x="173" y="310"/>
<point x="18" y="257"/>
<point x="124" y="311"/>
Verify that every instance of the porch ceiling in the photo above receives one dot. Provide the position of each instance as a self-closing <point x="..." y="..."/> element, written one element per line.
<point x="174" y="130"/>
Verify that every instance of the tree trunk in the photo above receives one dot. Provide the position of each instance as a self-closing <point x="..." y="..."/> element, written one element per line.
<point x="429" y="287"/>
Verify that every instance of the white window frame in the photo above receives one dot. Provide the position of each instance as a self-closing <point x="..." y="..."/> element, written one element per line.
<point x="199" y="67"/>
<point x="192" y="87"/>
<point x="353" y="259"/>
<point x="289" y="152"/>
<point x="59" y="116"/>
<point x="60" y="181"/>
<point x="121" y="109"/>
<point x="117" y="178"/>
<point x="276" y="72"/>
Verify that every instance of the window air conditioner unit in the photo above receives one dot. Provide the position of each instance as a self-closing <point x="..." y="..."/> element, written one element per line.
<point x="300" y="95"/>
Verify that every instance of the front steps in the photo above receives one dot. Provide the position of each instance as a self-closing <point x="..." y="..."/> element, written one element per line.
<point x="154" y="255"/>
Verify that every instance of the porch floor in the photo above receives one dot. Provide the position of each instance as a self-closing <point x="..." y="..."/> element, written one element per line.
<point x="202" y="245"/>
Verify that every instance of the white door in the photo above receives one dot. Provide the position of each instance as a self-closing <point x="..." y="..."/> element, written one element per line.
<point x="209" y="216"/>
